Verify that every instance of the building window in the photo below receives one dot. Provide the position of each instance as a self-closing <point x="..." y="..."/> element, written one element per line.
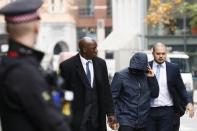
<point x="109" y="8"/>
<point x="108" y="30"/>
<point x="109" y="55"/>
<point x="86" y="7"/>
<point x="56" y="6"/>
<point x="60" y="47"/>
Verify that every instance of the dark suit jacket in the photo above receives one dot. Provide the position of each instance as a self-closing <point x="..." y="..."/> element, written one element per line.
<point x="176" y="87"/>
<point x="76" y="80"/>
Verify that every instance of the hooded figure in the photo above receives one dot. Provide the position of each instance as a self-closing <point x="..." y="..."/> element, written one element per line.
<point x="132" y="89"/>
<point x="139" y="64"/>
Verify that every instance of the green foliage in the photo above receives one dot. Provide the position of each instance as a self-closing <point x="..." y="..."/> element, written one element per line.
<point x="193" y="21"/>
<point x="189" y="9"/>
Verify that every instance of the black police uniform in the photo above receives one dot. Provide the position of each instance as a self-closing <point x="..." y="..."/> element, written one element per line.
<point x="25" y="99"/>
<point x="25" y="102"/>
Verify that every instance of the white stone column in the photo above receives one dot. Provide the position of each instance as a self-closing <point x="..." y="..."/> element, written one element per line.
<point x="130" y="14"/>
<point x="124" y="15"/>
<point x="120" y="16"/>
<point x="114" y="14"/>
<point x="100" y="30"/>
<point x="134" y="15"/>
<point x="142" y="6"/>
<point x="127" y="21"/>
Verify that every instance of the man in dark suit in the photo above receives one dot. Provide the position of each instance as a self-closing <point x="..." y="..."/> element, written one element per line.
<point x="173" y="98"/>
<point x="86" y="75"/>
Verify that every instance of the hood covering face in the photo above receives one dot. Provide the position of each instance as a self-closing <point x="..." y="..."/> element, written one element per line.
<point x="139" y="61"/>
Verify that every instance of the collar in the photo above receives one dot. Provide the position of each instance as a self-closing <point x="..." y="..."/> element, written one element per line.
<point x="17" y="49"/>
<point x="83" y="60"/>
<point x="161" y="65"/>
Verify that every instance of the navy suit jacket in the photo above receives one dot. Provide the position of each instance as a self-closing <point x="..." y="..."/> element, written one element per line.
<point x="176" y="88"/>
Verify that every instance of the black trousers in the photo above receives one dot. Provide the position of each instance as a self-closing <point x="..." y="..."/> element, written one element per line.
<point x="90" y="119"/>
<point x="88" y="127"/>
<point x="128" y="128"/>
<point x="161" y="119"/>
<point x="176" y="122"/>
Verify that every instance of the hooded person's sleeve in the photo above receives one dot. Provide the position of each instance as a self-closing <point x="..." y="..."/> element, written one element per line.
<point x="154" y="86"/>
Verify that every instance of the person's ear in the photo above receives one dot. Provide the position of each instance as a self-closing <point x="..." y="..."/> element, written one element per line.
<point x="84" y="50"/>
<point x="36" y="28"/>
<point x="6" y="27"/>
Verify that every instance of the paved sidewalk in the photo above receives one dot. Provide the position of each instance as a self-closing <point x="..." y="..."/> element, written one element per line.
<point x="189" y="124"/>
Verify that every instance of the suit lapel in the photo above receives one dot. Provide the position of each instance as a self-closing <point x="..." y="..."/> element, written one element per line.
<point x="81" y="72"/>
<point x="167" y="73"/>
<point x="95" y="69"/>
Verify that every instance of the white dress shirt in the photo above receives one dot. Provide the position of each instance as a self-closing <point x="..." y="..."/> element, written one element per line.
<point x="164" y="98"/>
<point x="84" y="61"/>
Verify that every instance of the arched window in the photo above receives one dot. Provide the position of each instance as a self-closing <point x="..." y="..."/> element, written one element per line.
<point x="60" y="47"/>
<point x="86" y="7"/>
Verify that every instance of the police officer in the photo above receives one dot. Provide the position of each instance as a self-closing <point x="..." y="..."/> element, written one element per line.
<point x="25" y="99"/>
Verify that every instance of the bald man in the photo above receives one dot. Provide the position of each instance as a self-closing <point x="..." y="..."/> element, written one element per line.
<point x="173" y="99"/>
<point x="86" y="75"/>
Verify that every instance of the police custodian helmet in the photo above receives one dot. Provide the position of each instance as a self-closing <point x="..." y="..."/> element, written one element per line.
<point x="21" y="11"/>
